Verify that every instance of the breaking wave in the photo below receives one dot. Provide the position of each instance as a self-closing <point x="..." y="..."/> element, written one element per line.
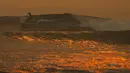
<point x="104" y="25"/>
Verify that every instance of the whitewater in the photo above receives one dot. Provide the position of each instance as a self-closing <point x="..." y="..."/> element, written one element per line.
<point x="109" y="25"/>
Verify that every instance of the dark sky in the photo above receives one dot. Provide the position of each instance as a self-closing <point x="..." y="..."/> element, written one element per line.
<point x="117" y="9"/>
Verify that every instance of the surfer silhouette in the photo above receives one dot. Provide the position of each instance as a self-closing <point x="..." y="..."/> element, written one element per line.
<point x="29" y="17"/>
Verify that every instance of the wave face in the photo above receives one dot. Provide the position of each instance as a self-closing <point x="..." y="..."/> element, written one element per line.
<point x="65" y="21"/>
